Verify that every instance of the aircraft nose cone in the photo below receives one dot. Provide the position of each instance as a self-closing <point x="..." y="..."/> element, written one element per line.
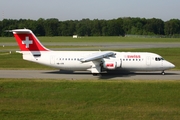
<point x="168" y="65"/>
<point x="172" y="65"/>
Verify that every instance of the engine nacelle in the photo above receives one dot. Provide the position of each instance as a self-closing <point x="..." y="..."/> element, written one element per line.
<point x="110" y="65"/>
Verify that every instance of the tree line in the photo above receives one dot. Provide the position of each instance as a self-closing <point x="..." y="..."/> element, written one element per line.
<point x="87" y="27"/>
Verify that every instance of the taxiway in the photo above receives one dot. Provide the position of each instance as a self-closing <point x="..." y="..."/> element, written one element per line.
<point x="82" y="75"/>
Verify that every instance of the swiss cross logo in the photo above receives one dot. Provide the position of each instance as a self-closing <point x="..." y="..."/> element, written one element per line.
<point x="27" y="42"/>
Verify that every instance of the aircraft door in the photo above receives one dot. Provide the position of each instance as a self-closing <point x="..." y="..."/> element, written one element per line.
<point x="119" y="63"/>
<point x="148" y="60"/>
<point x="52" y="60"/>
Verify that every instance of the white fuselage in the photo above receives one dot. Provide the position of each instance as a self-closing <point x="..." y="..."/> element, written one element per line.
<point x="70" y="60"/>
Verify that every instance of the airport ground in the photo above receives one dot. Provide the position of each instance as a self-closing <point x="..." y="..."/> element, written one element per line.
<point x="31" y="91"/>
<point x="83" y="75"/>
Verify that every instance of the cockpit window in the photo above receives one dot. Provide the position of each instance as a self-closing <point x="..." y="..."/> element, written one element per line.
<point x="158" y="58"/>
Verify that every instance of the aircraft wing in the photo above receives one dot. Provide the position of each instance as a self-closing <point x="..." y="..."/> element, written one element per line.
<point x="97" y="55"/>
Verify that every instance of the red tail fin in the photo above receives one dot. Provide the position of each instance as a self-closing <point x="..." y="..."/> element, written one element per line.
<point x="27" y="41"/>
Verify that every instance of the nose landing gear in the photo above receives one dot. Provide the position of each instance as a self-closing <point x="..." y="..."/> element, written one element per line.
<point x="163" y="73"/>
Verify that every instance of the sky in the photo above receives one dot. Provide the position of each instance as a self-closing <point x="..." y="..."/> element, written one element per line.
<point x="92" y="9"/>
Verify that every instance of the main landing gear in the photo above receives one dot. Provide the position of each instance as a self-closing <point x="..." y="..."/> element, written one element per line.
<point x="96" y="74"/>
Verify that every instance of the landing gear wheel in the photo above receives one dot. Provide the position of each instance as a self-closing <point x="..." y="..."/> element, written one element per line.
<point x="95" y="74"/>
<point x="163" y="73"/>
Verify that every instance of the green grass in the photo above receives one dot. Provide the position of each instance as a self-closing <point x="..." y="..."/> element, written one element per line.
<point x="96" y="39"/>
<point x="15" y="48"/>
<point x="87" y="100"/>
<point x="6" y="48"/>
<point x="15" y="61"/>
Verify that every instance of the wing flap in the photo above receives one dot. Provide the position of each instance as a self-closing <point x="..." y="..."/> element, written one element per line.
<point x="97" y="55"/>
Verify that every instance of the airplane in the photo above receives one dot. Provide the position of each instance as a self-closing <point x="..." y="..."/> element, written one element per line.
<point x="94" y="61"/>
